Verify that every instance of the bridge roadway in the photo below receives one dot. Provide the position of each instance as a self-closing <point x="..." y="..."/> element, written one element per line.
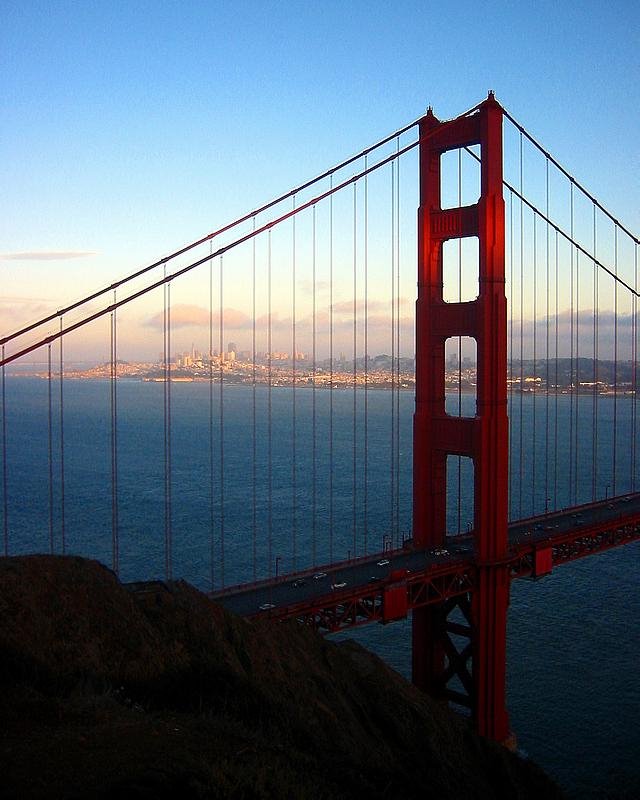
<point x="385" y="586"/>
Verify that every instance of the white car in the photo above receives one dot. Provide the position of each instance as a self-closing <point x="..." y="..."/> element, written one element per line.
<point x="384" y="562"/>
<point x="266" y="606"/>
<point x="319" y="575"/>
<point x="340" y="585"/>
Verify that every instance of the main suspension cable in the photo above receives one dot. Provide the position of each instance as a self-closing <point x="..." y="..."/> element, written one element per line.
<point x="186" y="248"/>
<point x="570" y="177"/>
<point x="220" y="251"/>
<point x="612" y="273"/>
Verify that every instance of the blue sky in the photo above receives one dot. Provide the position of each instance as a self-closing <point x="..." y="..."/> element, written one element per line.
<point x="130" y="128"/>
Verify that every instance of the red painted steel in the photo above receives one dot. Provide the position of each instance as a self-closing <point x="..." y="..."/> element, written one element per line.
<point x="542" y="561"/>
<point x="483" y="438"/>
<point x="443" y="585"/>
<point x="394" y="602"/>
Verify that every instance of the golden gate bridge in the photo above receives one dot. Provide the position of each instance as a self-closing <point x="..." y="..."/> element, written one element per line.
<point x="527" y="464"/>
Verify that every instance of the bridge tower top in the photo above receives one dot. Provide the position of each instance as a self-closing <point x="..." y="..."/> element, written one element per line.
<point x="483" y="438"/>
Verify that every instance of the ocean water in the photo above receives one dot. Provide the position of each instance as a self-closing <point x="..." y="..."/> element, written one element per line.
<point x="252" y="493"/>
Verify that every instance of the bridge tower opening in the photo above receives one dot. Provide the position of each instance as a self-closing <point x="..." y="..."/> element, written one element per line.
<point x="479" y="668"/>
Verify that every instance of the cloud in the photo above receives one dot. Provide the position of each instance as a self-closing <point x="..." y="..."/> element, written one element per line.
<point x="10" y="300"/>
<point x="46" y="255"/>
<point x="373" y="306"/>
<point x="576" y="333"/>
<point x="19" y="311"/>
<point x="192" y="316"/>
<point x="307" y="287"/>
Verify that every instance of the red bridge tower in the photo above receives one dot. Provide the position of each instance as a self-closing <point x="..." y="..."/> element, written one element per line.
<point x="479" y="667"/>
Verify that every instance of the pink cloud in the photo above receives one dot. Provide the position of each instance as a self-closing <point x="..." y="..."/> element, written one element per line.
<point x="46" y="255"/>
<point x="192" y="316"/>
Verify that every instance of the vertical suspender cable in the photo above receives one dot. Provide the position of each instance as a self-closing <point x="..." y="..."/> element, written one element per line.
<point x="510" y="401"/>
<point x="594" y="416"/>
<point x="169" y="441"/>
<point x="634" y="368"/>
<point x="555" y="421"/>
<point x="269" y="420"/>
<point x="221" y="421"/>
<point x="50" y="447"/>
<point x="294" y="510"/>
<point x="330" y="373"/>
<point x="574" y="339"/>
<point x="459" y="458"/>
<point x="254" y="463"/>
<point x="576" y="449"/>
<point x="521" y="432"/>
<point x="62" y="481"/>
<point x="547" y="348"/>
<point x="534" y="476"/>
<point x="114" y="442"/>
<point x="314" y="432"/>
<point x="168" y="500"/>
<point x="111" y="406"/>
<point x="571" y="497"/>
<point x="393" y="353"/>
<point x="165" y="382"/>
<point x="365" y="503"/>
<point x="397" y="448"/>
<point x="355" y="372"/>
<point x="615" y="364"/>
<point x="5" y="499"/>
<point x="212" y="549"/>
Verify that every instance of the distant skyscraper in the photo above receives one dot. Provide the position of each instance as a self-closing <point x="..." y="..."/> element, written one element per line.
<point x="232" y="347"/>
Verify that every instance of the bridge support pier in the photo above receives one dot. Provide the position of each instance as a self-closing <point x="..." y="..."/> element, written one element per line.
<point x="480" y="617"/>
<point x="489" y="609"/>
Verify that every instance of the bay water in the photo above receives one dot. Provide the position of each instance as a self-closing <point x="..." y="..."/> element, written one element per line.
<point x="256" y="481"/>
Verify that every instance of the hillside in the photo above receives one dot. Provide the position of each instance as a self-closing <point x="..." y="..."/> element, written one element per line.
<point x="108" y="694"/>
